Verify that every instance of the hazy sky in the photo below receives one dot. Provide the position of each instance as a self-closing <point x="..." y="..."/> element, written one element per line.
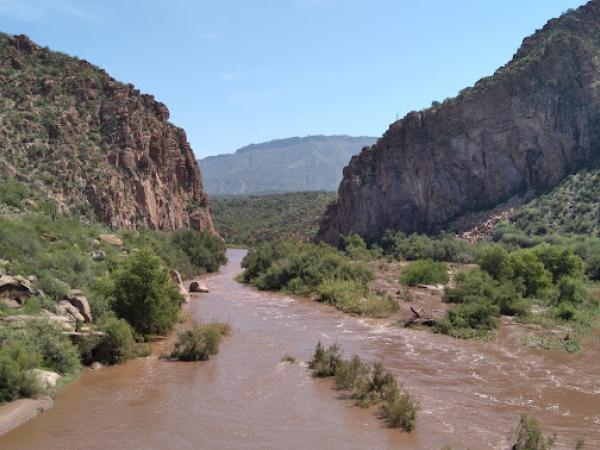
<point x="235" y="72"/>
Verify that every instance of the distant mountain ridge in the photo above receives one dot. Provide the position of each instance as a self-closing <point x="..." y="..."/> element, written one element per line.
<point x="297" y="164"/>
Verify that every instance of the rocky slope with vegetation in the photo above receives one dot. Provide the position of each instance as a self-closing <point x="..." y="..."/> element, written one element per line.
<point x="93" y="145"/>
<point x="312" y="163"/>
<point x="249" y="220"/>
<point x="535" y="121"/>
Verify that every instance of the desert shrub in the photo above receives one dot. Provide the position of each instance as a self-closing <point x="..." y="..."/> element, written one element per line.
<point x="592" y="267"/>
<point x="559" y="261"/>
<point x="51" y="286"/>
<point x="118" y="343"/>
<point x="144" y="294"/>
<point x="354" y="297"/>
<point x="529" y="436"/>
<point x="13" y="192"/>
<point x="56" y="349"/>
<point x="476" y="316"/>
<point x="16" y="359"/>
<point x="377" y="385"/>
<point x="531" y="271"/>
<point x="471" y="286"/>
<point x="325" y="361"/>
<point x="200" y="342"/>
<point x="424" y="271"/>
<point x="400" y="411"/>
<point x="205" y="250"/>
<point x="444" y="248"/>
<point x="304" y="268"/>
<point x="355" y="247"/>
<point x="349" y="372"/>
<point x="496" y="261"/>
<point x="572" y="290"/>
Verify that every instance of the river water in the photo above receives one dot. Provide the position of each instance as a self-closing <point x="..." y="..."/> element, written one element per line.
<point x="470" y="392"/>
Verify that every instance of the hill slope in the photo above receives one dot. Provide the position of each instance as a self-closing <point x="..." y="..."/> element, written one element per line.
<point x="536" y="120"/>
<point x="94" y="145"/>
<point x="248" y="220"/>
<point x="312" y="163"/>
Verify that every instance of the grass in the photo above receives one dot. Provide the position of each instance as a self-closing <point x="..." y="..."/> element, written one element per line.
<point x="200" y="341"/>
<point x="354" y="297"/>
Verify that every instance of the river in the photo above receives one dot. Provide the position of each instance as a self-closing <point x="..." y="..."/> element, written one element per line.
<point x="470" y="392"/>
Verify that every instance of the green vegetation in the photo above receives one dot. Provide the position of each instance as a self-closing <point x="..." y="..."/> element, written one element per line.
<point x="145" y="295"/>
<point x="200" y="342"/>
<point x="370" y="384"/>
<point x="424" y="271"/>
<point x="529" y="436"/>
<point x="547" y="276"/>
<point x="303" y="268"/>
<point x="250" y="220"/>
<point x="126" y="284"/>
<point x="402" y="247"/>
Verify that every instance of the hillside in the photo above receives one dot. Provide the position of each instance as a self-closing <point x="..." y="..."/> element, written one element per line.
<point x="535" y="121"/>
<point x="92" y="145"/>
<point x="248" y="220"/>
<point x="312" y="163"/>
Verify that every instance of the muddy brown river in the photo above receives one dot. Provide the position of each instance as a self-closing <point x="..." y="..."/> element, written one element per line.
<point x="470" y="393"/>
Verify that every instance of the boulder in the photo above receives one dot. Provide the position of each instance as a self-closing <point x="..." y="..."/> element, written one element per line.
<point x="78" y="300"/>
<point x="198" y="288"/>
<point x="45" y="378"/>
<point x="15" y="288"/>
<point x="176" y="277"/>
<point x="66" y="308"/>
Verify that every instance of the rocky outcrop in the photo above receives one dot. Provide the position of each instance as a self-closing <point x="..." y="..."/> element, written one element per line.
<point x="534" y="121"/>
<point x="94" y="145"/>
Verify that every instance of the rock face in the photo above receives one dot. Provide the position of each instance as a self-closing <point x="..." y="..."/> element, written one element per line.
<point x="534" y="121"/>
<point x="94" y="145"/>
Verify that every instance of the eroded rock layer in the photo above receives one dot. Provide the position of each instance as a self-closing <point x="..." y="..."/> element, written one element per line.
<point x="94" y="145"/>
<point x="534" y="121"/>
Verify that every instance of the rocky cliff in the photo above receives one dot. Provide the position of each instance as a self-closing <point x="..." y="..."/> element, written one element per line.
<point x="525" y="128"/>
<point x="93" y="145"/>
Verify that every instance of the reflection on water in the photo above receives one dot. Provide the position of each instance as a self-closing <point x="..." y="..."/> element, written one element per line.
<point x="470" y="393"/>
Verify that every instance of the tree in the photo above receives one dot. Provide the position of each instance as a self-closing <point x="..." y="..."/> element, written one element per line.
<point x="145" y="295"/>
<point x="531" y="271"/>
<point x="495" y="260"/>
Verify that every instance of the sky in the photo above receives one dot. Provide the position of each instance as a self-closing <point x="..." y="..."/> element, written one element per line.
<point x="236" y="72"/>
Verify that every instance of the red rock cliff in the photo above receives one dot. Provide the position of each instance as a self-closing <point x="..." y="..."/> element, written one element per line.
<point x="536" y="120"/>
<point x="93" y="144"/>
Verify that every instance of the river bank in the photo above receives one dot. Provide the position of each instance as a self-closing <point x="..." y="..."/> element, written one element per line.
<point x="470" y="392"/>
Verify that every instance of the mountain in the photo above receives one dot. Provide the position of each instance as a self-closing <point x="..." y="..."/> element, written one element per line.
<point x="536" y="120"/>
<point x="93" y="145"/>
<point x="312" y="163"/>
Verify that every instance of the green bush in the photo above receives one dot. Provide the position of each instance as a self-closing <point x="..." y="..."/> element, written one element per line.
<point x="479" y="317"/>
<point x="572" y="290"/>
<point x="349" y="372"/>
<point x="117" y="344"/>
<point x="355" y="247"/>
<point x="377" y="385"/>
<point x="471" y="286"/>
<point x="530" y="271"/>
<point x="496" y="261"/>
<point x="424" y="271"/>
<point x="354" y="297"/>
<point x="205" y="250"/>
<point x="16" y="359"/>
<point x="560" y="262"/>
<point x="200" y="342"/>
<point x="400" y="411"/>
<point x="529" y="436"/>
<point x="144" y="294"/>
<point x="326" y="361"/>
<point x="12" y="192"/>
<point x="444" y="248"/>
<point x="56" y="349"/>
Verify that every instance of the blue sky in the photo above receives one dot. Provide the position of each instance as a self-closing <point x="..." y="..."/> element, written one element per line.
<point x="235" y="72"/>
